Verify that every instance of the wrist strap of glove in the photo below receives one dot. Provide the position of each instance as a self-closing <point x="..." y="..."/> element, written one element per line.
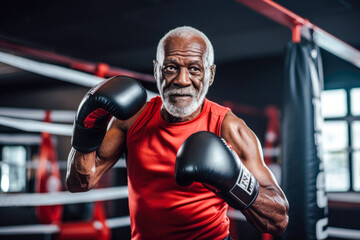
<point x="243" y="193"/>
<point x="87" y="139"/>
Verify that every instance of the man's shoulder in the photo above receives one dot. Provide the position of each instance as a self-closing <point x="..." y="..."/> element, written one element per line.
<point x="216" y="107"/>
<point x="232" y="123"/>
<point x="125" y="125"/>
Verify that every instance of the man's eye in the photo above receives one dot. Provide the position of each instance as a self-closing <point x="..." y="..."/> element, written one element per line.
<point x="195" y="69"/>
<point x="170" y="68"/>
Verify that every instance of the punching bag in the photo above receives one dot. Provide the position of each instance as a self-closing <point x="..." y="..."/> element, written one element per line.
<point x="48" y="178"/>
<point x="302" y="167"/>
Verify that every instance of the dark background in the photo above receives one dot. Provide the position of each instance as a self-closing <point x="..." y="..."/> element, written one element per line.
<point x="249" y="52"/>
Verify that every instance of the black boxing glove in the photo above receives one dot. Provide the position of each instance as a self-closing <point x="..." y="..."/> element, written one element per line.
<point x="206" y="158"/>
<point x="119" y="96"/>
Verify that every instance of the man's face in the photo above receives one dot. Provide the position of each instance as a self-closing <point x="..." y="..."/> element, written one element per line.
<point x="183" y="87"/>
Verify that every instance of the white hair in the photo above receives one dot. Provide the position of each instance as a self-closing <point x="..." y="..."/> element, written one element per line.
<point x="184" y="31"/>
<point x="208" y="61"/>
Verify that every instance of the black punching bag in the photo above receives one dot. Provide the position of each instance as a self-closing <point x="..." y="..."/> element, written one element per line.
<point x="303" y="174"/>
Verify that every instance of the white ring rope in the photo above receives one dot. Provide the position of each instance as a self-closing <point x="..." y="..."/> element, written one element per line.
<point x="332" y="231"/>
<point x="53" y="228"/>
<point x="36" y="126"/>
<point x="125" y="222"/>
<point x="55" y="72"/>
<point x="20" y="139"/>
<point x="346" y="197"/>
<point x="61" y="164"/>
<point x="118" y="222"/>
<point x="29" y="229"/>
<point x="343" y="233"/>
<point x="65" y="197"/>
<point x="49" y="70"/>
<point x="64" y="116"/>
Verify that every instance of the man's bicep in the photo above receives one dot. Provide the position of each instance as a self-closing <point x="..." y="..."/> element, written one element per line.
<point x="244" y="142"/>
<point x="247" y="146"/>
<point x="114" y="142"/>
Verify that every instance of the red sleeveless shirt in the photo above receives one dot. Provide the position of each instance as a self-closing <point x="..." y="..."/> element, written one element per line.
<point x="159" y="207"/>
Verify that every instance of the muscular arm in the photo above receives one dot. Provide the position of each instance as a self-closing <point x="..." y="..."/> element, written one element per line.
<point x="269" y="212"/>
<point x="97" y="149"/>
<point x="85" y="169"/>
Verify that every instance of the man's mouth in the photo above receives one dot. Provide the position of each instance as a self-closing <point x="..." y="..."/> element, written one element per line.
<point x="180" y="96"/>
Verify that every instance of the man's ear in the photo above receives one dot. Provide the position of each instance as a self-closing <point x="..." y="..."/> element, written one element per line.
<point x="212" y="72"/>
<point x="155" y="65"/>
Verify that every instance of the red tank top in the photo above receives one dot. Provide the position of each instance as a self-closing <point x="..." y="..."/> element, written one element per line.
<point x="159" y="207"/>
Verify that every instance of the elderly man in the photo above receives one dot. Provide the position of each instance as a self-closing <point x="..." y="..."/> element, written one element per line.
<point x="172" y="141"/>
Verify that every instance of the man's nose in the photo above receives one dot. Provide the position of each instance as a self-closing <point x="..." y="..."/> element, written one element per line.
<point x="183" y="78"/>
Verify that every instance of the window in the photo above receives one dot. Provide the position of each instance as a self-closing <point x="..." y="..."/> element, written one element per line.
<point x="341" y="139"/>
<point x="334" y="103"/>
<point x="335" y="155"/>
<point x="356" y="170"/>
<point x="13" y="170"/>
<point x="355" y="98"/>
<point x="355" y="142"/>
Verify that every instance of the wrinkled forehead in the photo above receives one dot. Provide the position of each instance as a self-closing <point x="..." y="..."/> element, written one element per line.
<point x="187" y="45"/>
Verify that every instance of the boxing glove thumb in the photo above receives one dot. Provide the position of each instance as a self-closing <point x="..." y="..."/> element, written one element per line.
<point x="120" y="96"/>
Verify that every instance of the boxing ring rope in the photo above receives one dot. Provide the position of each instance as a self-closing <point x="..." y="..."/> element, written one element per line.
<point x="76" y="63"/>
<point x="64" y="197"/>
<point x="53" y="228"/>
<point x="29" y="139"/>
<point x="121" y="163"/>
<point x="35" y="126"/>
<point x="64" y="116"/>
<point x="54" y="71"/>
<point x="125" y="221"/>
<point x="50" y="70"/>
<point x="302" y="28"/>
<point x="10" y="117"/>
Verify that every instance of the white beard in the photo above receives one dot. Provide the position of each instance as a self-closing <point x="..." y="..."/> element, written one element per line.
<point x="184" y="111"/>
